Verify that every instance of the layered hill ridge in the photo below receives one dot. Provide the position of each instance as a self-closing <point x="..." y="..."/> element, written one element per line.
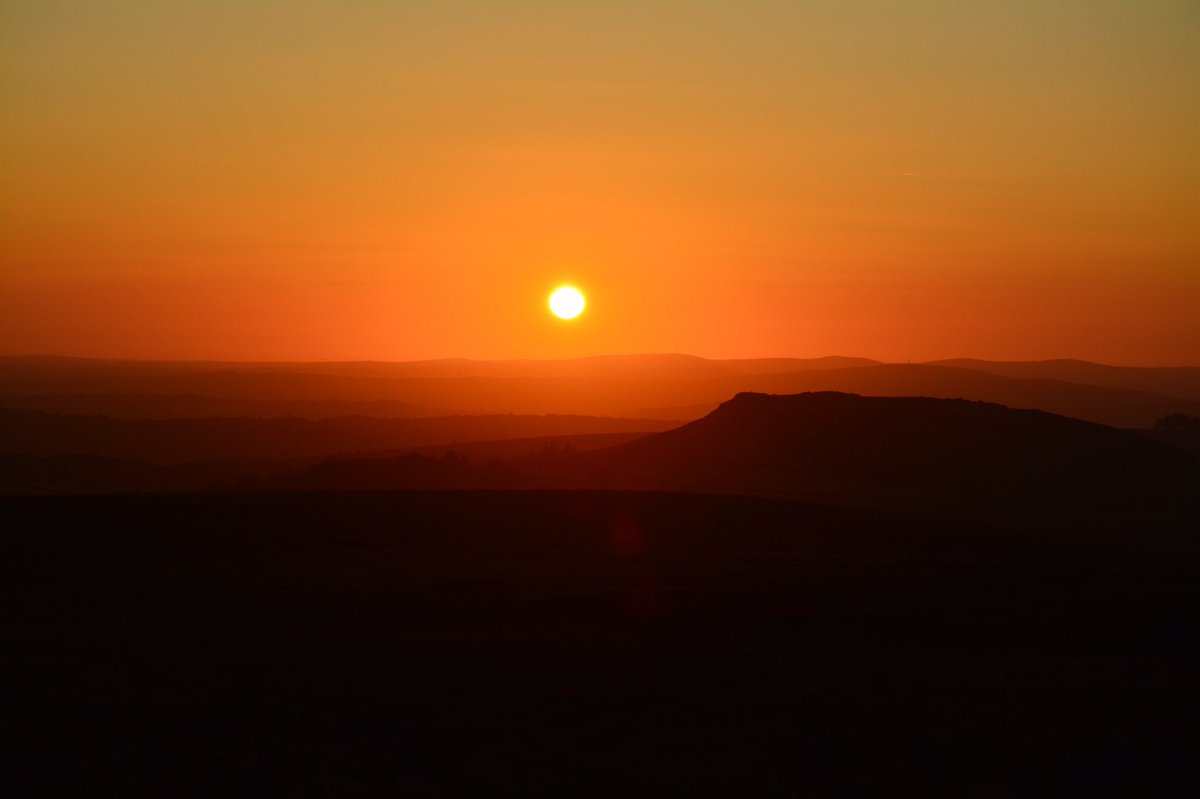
<point x="669" y="387"/>
<point x="820" y="446"/>
<point x="1174" y="381"/>
<point x="919" y="453"/>
<point x="1117" y="407"/>
<point x="955" y="451"/>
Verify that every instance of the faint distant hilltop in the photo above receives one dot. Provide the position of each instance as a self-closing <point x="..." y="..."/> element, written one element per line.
<point x="668" y="387"/>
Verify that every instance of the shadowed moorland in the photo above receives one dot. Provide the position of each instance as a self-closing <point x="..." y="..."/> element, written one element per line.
<point x="854" y="594"/>
<point x="584" y="643"/>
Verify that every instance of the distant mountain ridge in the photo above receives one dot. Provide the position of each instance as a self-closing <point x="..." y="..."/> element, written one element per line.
<point x="1179" y="381"/>
<point x="668" y="387"/>
<point x="1110" y="406"/>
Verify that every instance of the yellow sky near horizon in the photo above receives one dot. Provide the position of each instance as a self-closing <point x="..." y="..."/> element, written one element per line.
<point x="312" y="180"/>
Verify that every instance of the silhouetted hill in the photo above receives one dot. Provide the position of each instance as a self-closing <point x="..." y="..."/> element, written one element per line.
<point x="827" y="446"/>
<point x="952" y="452"/>
<point x="917" y="452"/>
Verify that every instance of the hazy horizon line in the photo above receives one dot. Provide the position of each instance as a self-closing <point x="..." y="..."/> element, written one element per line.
<point x="595" y="356"/>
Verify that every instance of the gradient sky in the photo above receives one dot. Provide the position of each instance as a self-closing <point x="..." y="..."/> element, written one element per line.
<point x="371" y="180"/>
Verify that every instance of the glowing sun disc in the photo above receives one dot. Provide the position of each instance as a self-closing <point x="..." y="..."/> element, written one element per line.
<point x="567" y="303"/>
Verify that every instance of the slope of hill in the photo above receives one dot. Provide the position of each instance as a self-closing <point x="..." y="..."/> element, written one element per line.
<point x="912" y="452"/>
<point x="956" y="452"/>
<point x="825" y="446"/>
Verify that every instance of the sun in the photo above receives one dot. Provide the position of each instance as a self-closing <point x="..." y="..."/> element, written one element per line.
<point x="567" y="302"/>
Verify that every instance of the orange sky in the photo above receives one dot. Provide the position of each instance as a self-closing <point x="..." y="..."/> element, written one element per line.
<point x="370" y="180"/>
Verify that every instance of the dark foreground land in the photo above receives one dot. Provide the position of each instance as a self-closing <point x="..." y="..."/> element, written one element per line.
<point x="586" y="643"/>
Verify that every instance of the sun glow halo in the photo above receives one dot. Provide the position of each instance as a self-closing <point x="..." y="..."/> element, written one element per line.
<point x="567" y="302"/>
